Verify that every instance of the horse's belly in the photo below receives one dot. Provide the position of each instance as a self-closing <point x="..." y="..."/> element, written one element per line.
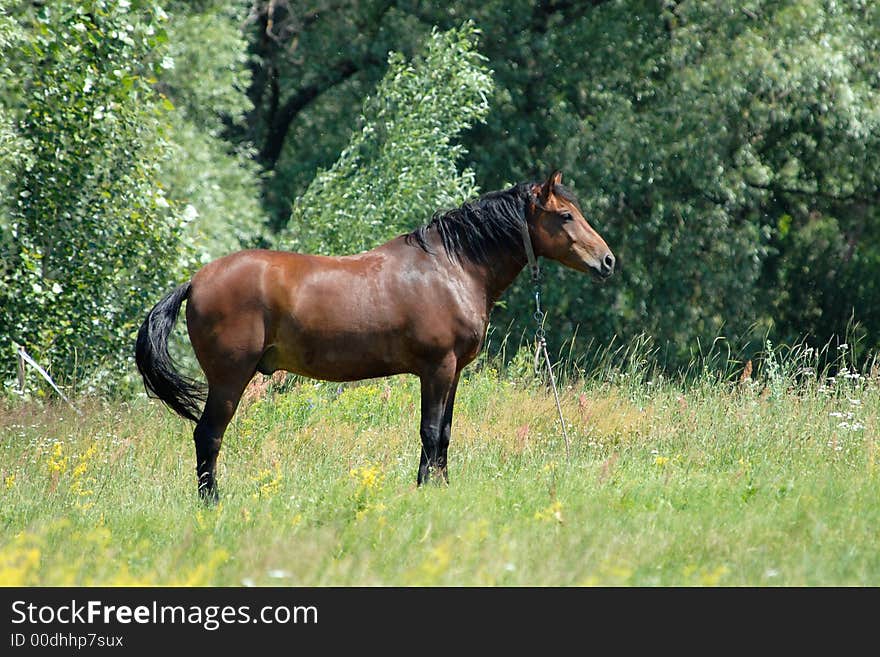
<point x="338" y="358"/>
<point x="342" y="327"/>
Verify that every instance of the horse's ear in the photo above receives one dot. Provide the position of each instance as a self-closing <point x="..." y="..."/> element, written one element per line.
<point x="554" y="179"/>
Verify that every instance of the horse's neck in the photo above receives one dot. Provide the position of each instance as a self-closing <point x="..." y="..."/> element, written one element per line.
<point x="495" y="275"/>
<point x="499" y="273"/>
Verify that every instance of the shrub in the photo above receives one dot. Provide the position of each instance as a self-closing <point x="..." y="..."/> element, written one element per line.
<point x="400" y="166"/>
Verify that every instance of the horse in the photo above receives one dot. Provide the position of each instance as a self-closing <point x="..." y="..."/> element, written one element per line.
<point x="418" y="304"/>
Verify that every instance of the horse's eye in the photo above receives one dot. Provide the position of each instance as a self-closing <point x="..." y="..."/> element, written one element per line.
<point x="566" y="216"/>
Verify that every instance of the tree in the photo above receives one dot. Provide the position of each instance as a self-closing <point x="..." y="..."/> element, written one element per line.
<point x="687" y="129"/>
<point x="690" y="131"/>
<point x="729" y="154"/>
<point x="400" y="165"/>
<point x="10" y="41"/>
<point x="92" y="238"/>
<point x="216" y="182"/>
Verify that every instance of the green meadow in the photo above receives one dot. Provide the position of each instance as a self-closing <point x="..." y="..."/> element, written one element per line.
<point x="709" y="483"/>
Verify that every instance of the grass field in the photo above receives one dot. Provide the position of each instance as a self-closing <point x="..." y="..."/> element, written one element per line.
<point x="707" y="484"/>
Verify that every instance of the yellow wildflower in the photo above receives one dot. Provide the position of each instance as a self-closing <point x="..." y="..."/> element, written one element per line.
<point x="201" y="575"/>
<point x="434" y="566"/>
<point x="269" y="481"/>
<point x="57" y="460"/>
<point x="20" y="562"/>
<point x="81" y="484"/>
<point x="552" y="512"/>
<point x="713" y="577"/>
<point x="368" y="477"/>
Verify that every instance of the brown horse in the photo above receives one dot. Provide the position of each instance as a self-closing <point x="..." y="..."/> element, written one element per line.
<point x="418" y="304"/>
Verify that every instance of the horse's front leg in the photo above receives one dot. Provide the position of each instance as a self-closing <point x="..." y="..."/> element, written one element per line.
<point x="438" y="384"/>
<point x="446" y="430"/>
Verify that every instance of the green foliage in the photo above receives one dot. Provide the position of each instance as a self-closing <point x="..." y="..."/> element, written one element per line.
<point x="688" y="133"/>
<point x="314" y="63"/>
<point x="207" y="39"/>
<point x="687" y="130"/>
<point x="729" y="154"/>
<point x="218" y="190"/>
<point x="400" y="166"/>
<point x="217" y="184"/>
<point x="10" y="40"/>
<point x="92" y="239"/>
<point x="825" y="283"/>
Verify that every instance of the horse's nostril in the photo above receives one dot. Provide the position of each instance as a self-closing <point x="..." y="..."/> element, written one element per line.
<point x="608" y="262"/>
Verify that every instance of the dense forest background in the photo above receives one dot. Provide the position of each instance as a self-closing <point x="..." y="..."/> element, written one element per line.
<point x="729" y="153"/>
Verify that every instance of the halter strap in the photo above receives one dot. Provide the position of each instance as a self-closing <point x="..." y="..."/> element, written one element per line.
<point x="530" y="251"/>
<point x="539" y="332"/>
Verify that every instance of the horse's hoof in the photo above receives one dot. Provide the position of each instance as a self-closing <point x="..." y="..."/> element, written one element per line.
<point x="209" y="496"/>
<point x="433" y="477"/>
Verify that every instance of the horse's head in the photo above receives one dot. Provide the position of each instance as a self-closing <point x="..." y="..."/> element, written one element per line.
<point x="560" y="232"/>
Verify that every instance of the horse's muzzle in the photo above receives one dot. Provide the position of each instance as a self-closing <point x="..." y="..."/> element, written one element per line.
<point x="607" y="266"/>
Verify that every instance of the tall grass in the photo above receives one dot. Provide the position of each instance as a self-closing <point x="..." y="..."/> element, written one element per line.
<point x="699" y="479"/>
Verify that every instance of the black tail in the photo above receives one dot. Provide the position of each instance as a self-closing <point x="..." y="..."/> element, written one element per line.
<point x="161" y="379"/>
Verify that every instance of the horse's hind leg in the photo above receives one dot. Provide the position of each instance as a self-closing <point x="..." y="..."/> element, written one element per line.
<point x="208" y="435"/>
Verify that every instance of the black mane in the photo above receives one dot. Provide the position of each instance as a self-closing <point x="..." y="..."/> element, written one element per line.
<point x="481" y="227"/>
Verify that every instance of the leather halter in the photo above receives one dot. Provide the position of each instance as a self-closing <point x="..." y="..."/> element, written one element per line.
<point x="530" y="251"/>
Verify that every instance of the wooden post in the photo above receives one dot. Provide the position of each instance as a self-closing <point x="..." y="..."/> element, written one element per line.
<point x="21" y="370"/>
